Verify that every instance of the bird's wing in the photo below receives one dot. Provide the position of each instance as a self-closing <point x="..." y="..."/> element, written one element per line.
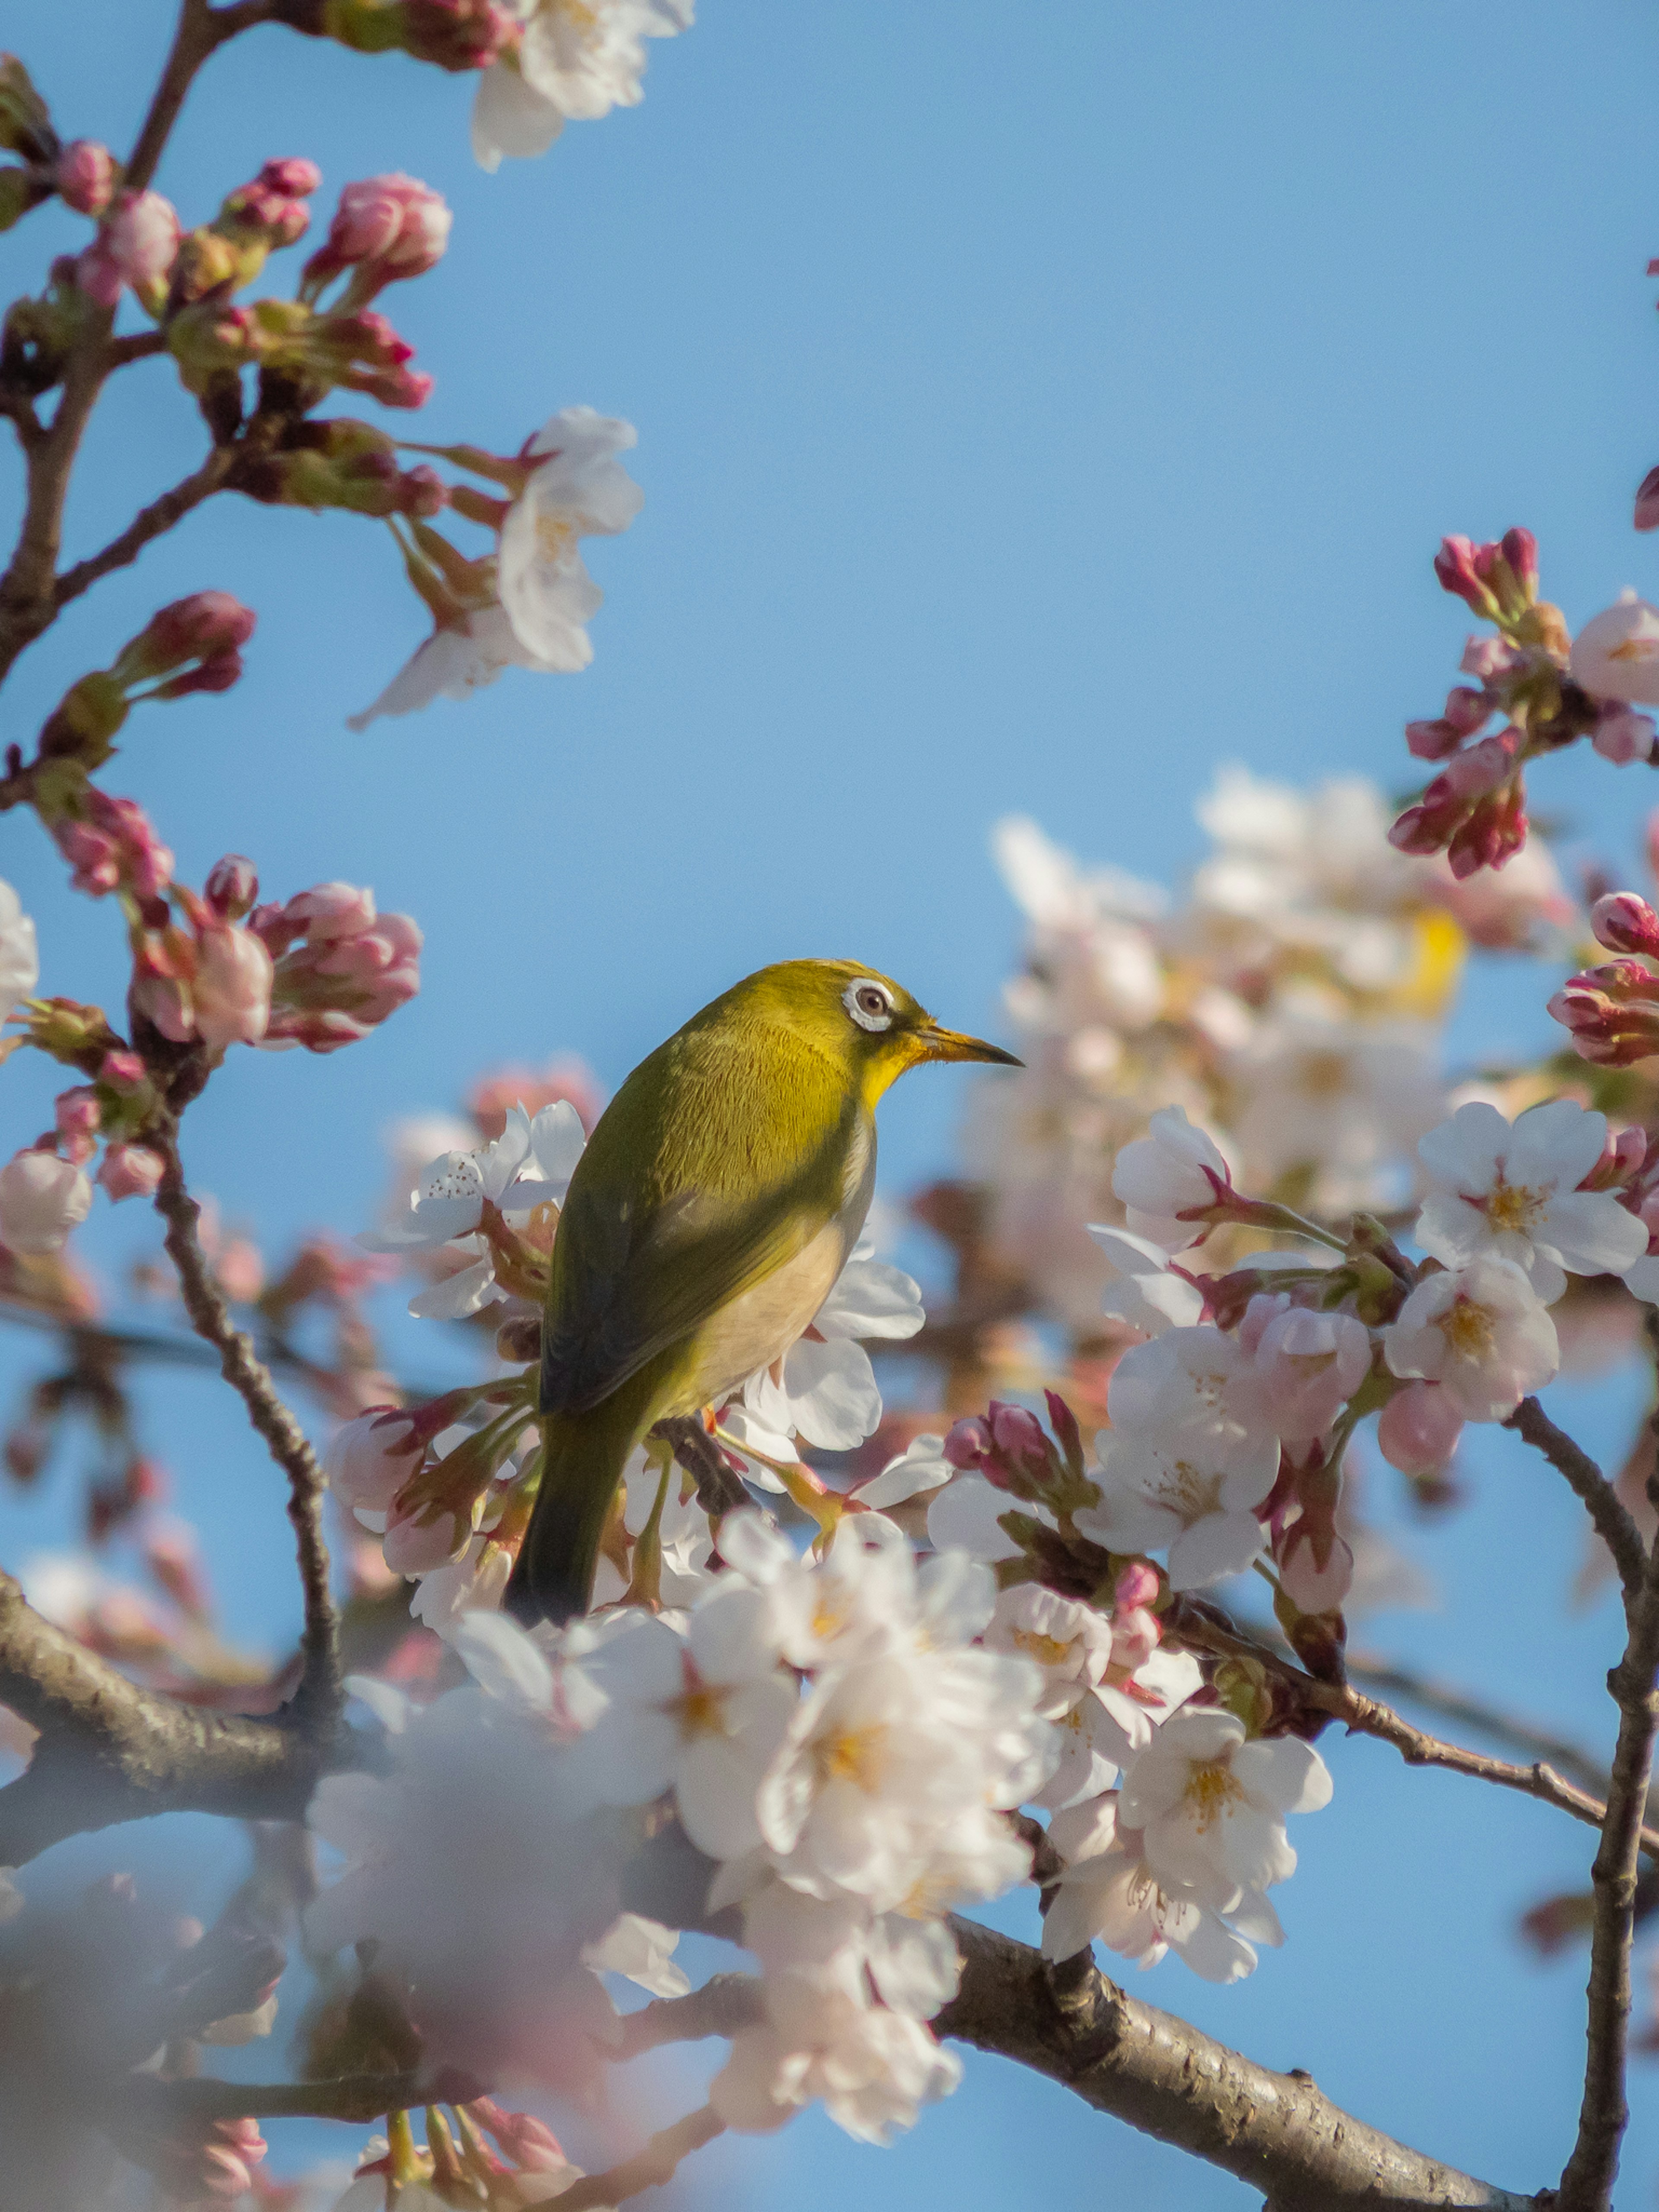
<point x="628" y="1288"/>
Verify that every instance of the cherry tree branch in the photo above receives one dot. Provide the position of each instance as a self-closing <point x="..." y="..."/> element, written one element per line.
<point x="319" y="1700"/>
<point x="150" y="522"/>
<point x="648" y="2168"/>
<point x="111" y="1751"/>
<point x="725" y="2003"/>
<point x="1586" y="2182"/>
<point x="1613" y="1522"/>
<point x="1275" y="2131"/>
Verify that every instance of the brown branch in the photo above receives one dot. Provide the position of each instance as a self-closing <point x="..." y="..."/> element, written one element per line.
<point x="167" y="2105"/>
<point x="319" y="1700"/>
<point x="724" y="2004"/>
<point x="1364" y="1716"/>
<point x="1613" y="1524"/>
<point x="648" y="2168"/>
<point x="161" y="514"/>
<point x="1275" y="2131"/>
<point x="1462" y="1706"/>
<point x="1586" y="2182"/>
<point x="110" y="1751"/>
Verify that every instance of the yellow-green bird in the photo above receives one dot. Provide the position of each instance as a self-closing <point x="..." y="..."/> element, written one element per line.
<point x="716" y="1203"/>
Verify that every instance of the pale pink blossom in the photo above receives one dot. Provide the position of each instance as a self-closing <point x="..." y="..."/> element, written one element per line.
<point x="42" y="1199"/>
<point x="1168" y="1175"/>
<point x="135" y="245"/>
<point x="1616" y="655"/>
<point x="1304" y="1366"/>
<point x="384" y="228"/>
<point x="230" y="991"/>
<point x="1482" y="1332"/>
<point x="129" y="1171"/>
<point x="372" y="1457"/>
<point x="85" y="175"/>
<point x="1211" y="1805"/>
<point x="1418" y="1429"/>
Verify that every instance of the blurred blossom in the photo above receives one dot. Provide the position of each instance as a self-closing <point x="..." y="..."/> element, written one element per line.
<point x="42" y="1199"/>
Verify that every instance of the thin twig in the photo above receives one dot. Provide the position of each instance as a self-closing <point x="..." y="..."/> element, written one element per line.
<point x="1613" y="1524"/>
<point x="1454" y="1703"/>
<point x="723" y="2005"/>
<point x="648" y="2168"/>
<point x="1586" y="2182"/>
<point x="161" y="514"/>
<point x="320" y="1698"/>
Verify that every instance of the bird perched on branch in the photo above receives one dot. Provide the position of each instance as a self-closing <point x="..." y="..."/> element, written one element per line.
<point x="706" y="1223"/>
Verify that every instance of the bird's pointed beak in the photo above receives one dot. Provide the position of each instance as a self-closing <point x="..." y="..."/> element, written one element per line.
<point x="939" y="1043"/>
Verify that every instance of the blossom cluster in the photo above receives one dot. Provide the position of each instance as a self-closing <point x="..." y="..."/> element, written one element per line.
<point x="1549" y="688"/>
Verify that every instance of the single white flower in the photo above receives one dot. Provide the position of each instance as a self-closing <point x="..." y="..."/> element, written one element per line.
<point x="1304" y="1366"/>
<point x="577" y="59"/>
<point x="1108" y="1892"/>
<point x="580" y="489"/>
<point x="454" y="662"/>
<point x="1616" y="655"/>
<point x="919" y="1467"/>
<point x="1175" y="1169"/>
<point x="1512" y="1190"/>
<point x="1144" y="1291"/>
<point x="861" y="1596"/>
<point x="1161" y="1489"/>
<point x="42" y="1199"/>
<point x="1482" y="1332"/>
<point x="1069" y="1641"/>
<point x="1189" y="1391"/>
<point x="1211" y="1805"/>
<point x="20" y="957"/>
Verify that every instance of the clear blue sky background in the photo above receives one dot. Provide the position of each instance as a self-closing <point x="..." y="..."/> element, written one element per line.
<point x="1036" y="408"/>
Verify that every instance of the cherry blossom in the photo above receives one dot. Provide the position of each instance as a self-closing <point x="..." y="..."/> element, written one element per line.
<point x="1616" y="655"/>
<point x="1107" y="1891"/>
<point x="1481" y="1332"/>
<point x="42" y="1199"/>
<point x="1196" y="1493"/>
<point x="826" y="1390"/>
<point x="572" y="63"/>
<point x="1211" y="1805"/>
<point x="19" y="958"/>
<point x="1145" y="1291"/>
<point x="1513" y="1190"/>
<point x="580" y="489"/>
<point x="1166" y="1177"/>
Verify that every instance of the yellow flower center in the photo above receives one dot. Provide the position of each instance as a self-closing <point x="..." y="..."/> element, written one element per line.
<point x="700" y="1711"/>
<point x="1469" y="1329"/>
<point x="858" y="1755"/>
<point x="1047" y="1651"/>
<point x="831" y="1612"/>
<point x="555" y="536"/>
<point x="578" y="15"/>
<point x="1210" y="1791"/>
<point x="1513" y="1205"/>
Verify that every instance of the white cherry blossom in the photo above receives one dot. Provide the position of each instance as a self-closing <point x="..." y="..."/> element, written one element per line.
<point x="20" y="957"/>
<point x="1173" y="1170"/>
<point x="1107" y="1892"/>
<point x="919" y="1467"/>
<point x="1512" y="1189"/>
<point x="1616" y="655"/>
<point x="824" y="1388"/>
<point x="1482" y="1332"/>
<point x="42" y="1199"/>
<point x="1211" y="1806"/>
<point x="1144" y="1291"/>
<point x="580" y="489"/>
<point x="456" y="662"/>
<point x="577" y="59"/>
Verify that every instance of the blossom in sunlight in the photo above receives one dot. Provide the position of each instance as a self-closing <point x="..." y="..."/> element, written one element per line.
<point x="1195" y="1494"/>
<point x="824" y="1388"/>
<point x="1616" y="655"/>
<point x="529" y="1164"/>
<point x="1418" y="1429"/>
<point x="1515" y="1190"/>
<point x="1304" y="1366"/>
<point x="341" y="967"/>
<point x="384" y="228"/>
<point x="1481" y="1330"/>
<point x="1211" y="1806"/>
<point x="1169" y="1179"/>
<point x="42" y="1199"/>
<point x="20" y="957"/>
<point x="1107" y="1893"/>
<point x="1146" y="1291"/>
<point x="458" y="659"/>
<point x="578" y="490"/>
<point x="575" y="63"/>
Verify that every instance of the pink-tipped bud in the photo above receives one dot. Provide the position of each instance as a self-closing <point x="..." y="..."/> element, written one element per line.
<point x="372" y="1457"/>
<point x="386" y="229"/>
<point x="206" y="627"/>
<point x="1609" y="1029"/>
<point x="42" y="1199"/>
<point x="529" y="2143"/>
<point x="1017" y="1435"/>
<point x="230" y="991"/>
<point x="1467" y="709"/>
<point x="292" y="175"/>
<point x="1418" y="1429"/>
<point x="79" y="1118"/>
<point x="129" y="1171"/>
<point x="122" y="1071"/>
<point x="1455" y="567"/>
<point x="1520" y="550"/>
<point x="84" y="174"/>
<point x="1136" y="1586"/>
<point x="1625" y="923"/>
<point x="969" y="1443"/>
<point x="1646" y="516"/>
<point x="232" y="887"/>
<point x="1136" y="1634"/>
<point x="1431" y="740"/>
<point x="135" y="245"/>
<point x="1623" y="1152"/>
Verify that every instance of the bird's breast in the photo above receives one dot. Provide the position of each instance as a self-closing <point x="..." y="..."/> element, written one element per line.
<point x="759" y="1327"/>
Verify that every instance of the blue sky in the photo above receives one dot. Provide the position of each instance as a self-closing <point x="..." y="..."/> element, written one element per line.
<point x="1036" y="408"/>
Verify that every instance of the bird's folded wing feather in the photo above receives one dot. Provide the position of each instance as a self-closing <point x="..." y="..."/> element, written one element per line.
<point x="630" y="1288"/>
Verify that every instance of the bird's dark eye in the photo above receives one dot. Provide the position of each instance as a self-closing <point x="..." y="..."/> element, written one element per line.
<point x="869" y="1003"/>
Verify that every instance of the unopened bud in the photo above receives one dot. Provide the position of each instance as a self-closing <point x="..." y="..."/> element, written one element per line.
<point x="1621" y="735"/>
<point x="1646" y="516"/>
<point x="25" y="120"/>
<point x="1625" y="923"/>
<point x="206" y="627"/>
<point x="84" y="174"/>
<point x="232" y="887"/>
<point x="129" y="1171"/>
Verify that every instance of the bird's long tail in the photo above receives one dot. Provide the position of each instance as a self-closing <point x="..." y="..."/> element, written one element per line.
<point x="583" y="1455"/>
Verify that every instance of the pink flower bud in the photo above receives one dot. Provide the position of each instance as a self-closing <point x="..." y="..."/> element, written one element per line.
<point x="129" y="1171"/>
<point x="1646" y="516"/>
<point x="1455" y="567"/>
<point x="1625" y="923"/>
<point x="292" y="175"/>
<point x="1136" y="1634"/>
<point x="1487" y="658"/>
<point x="1621" y="735"/>
<point x="969" y="1442"/>
<point x="1311" y="1587"/>
<point x="386" y="227"/>
<point x="42" y="1198"/>
<point x="1467" y="709"/>
<point x="1431" y="740"/>
<point x="230" y="991"/>
<point x="85" y="176"/>
<point x="1623" y="1153"/>
<point x="372" y="1457"/>
<point x="136" y="247"/>
<point x="1018" y="1436"/>
<point x="1418" y="1429"/>
<point x="331" y="910"/>
<point x="79" y="1117"/>
<point x="121" y="1070"/>
<point x="1520" y="549"/>
<point x="528" y="2142"/>
<point x="1135" y="1587"/>
<point x="207" y="626"/>
<point x="232" y="887"/>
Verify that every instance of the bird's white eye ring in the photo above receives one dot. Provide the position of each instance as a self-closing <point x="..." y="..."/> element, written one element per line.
<point x="869" y="1003"/>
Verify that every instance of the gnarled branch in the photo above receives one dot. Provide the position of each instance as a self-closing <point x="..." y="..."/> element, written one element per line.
<point x="1275" y="2131"/>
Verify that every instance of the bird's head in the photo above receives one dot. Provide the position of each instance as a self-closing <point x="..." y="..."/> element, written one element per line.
<point x="862" y="1018"/>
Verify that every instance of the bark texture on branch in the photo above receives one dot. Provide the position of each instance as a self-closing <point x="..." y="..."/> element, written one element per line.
<point x="1607" y="1510"/>
<point x="110" y="1751"/>
<point x="1275" y="2131"/>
